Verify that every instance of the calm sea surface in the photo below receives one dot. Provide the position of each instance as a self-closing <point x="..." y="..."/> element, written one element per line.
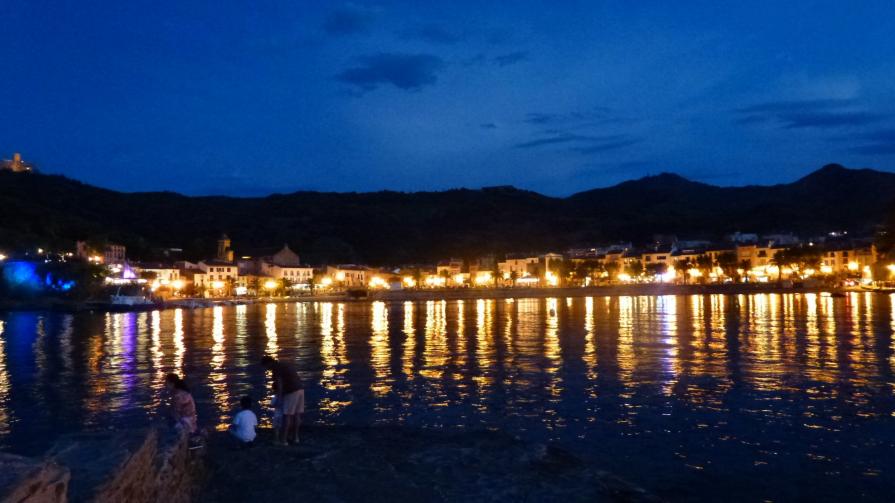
<point x="706" y="398"/>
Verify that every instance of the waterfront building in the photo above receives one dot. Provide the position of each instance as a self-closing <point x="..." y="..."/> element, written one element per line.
<point x="660" y="255"/>
<point x="449" y="268"/>
<point x="514" y="268"/>
<point x="217" y="278"/>
<point x="283" y="266"/>
<point x="160" y="272"/>
<point x="114" y="254"/>
<point x="347" y="275"/>
<point x="848" y="257"/>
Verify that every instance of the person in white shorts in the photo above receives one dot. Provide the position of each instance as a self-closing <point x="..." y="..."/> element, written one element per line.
<point x="290" y="395"/>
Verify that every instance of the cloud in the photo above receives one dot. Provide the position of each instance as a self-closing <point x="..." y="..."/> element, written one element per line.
<point x="879" y="142"/>
<point x="350" y="19"/>
<point x="551" y="140"/>
<point x="585" y="144"/>
<point x="823" y="114"/>
<point x="796" y="106"/>
<point x="511" y="58"/>
<point x="540" y="118"/>
<point x="592" y="116"/>
<point x="404" y="71"/>
<point x="874" y="149"/>
<point x="621" y="141"/>
<point x="431" y="33"/>
<point x="830" y="120"/>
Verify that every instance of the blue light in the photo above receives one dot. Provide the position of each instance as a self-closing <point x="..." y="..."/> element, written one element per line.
<point x="21" y="275"/>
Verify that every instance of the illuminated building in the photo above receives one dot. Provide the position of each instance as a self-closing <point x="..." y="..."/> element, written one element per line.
<point x="450" y="267"/>
<point x="283" y="265"/>
<point x="225" y="252"/>
<point x="16" y="164"/>
<point x="348" y="275"/>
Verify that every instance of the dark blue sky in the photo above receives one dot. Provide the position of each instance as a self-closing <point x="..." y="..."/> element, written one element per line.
<point x="254" y="97"/>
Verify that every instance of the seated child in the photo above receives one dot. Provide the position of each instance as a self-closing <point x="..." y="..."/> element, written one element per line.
<point x="244" y="423"/>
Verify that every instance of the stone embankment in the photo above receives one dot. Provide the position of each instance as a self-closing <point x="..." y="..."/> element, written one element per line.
<point x="139" y="466"/>
<point x="515" y="293"/>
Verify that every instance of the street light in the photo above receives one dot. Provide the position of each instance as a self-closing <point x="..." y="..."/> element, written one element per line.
<point x="270" y="285"/>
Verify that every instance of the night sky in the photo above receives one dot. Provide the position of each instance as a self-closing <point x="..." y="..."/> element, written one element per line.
<point x="248" y="98"/>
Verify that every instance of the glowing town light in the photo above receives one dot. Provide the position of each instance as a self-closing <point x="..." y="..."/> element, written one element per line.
<point x="808" y="273"/>
<point x="177" y="284"/>
<point x="340" y="276"/>
<point x="240" y="290"/>
<point x="409" y="281"/>
<point x="624" y="277"/>
<point x="40" y="250"/>
<point x="2" y="257"/>
<point x="483" y="278"/>
<point x="270" y="285"/>
<point x="891" y="268"/>
<point x="435" y="281"/>
<point x="378" y="282"/>
<point x="154" y="285"/>
<point x="853" y="266"/>
<point x="507" y="275"/>
<point x="326" y="281"/>
<point x="694" y="273"/>
<point x="825" y="269"/>
<point x="551" y="278"/>
<point x="459" y="279"/>
<point x="217" y="285"/>
<point x="668" y="276"/>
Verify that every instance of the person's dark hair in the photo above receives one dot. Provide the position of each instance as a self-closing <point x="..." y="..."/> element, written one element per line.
<point x="267" y="360"/>
<point x="245" y="402"/>
<point x="177" y="382"/>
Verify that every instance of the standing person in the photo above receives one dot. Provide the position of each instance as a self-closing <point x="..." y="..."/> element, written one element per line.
<point x="183" y="407"/>
<point x="244" y="422"/>
<point x="290" y="395"/>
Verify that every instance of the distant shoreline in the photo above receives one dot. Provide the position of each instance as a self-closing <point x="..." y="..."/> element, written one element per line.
<point x="427" y="295"/>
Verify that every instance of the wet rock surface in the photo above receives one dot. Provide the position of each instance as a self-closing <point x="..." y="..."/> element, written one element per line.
<point x="28" y="479"/>
<point x="392" y="464"/>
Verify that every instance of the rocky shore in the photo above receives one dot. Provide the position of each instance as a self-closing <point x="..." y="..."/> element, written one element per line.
<point x="134" y="465"/>
<point x="348" y="464"/>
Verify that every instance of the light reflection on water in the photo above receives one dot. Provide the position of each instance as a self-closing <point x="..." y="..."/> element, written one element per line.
<point x="773" y="396"/>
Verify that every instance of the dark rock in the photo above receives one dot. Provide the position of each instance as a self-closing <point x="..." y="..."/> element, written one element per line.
<point x="33" y="480"/>
<point x="402" y="464"/>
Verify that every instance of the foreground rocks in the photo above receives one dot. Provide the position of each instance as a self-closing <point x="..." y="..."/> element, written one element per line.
<point x="394" y="464"/>
<point x="26" y="479"/>
<point x="136" y="466"/>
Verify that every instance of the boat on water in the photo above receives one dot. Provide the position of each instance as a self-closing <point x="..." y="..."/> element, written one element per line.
<point x="129" y="300"/>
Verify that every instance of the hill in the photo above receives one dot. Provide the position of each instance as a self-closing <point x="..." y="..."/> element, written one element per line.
<point x="393" y="227"/>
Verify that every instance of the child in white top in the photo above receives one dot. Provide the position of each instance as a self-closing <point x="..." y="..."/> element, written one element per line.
<point x="245" y="421"/>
